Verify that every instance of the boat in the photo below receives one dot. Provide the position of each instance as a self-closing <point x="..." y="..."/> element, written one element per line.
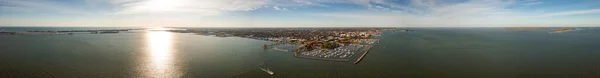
<point x="268" y="71"/>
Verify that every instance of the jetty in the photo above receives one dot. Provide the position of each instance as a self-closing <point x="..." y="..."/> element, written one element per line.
<point x="363" y="55"/>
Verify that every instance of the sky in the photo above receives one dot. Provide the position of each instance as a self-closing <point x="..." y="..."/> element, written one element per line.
<point x="300" y="13"/>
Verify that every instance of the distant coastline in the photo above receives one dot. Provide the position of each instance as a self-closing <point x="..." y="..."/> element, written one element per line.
<point x="553" y="30"/>
<point x="564" y="30"/>
<point x="527" y="28"/>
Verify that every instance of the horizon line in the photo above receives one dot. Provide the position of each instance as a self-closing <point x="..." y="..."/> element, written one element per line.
<point x="299" y="26"/>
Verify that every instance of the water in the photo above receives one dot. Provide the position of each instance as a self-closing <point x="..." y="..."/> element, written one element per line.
<point x="135" y="54"/>
<point x="425" y="53"/>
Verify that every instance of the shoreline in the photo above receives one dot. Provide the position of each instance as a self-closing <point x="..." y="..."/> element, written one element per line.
<point x="277" y="49"/>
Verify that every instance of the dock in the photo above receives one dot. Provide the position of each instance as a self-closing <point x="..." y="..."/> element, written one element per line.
<point x="336" y="60"/>
<point x="363" y="55"/>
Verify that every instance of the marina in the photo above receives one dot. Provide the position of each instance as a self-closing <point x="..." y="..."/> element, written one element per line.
<point x="342" y="52"/>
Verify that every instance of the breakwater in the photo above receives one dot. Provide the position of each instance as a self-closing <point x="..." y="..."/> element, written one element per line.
<point x="363" y="55"/>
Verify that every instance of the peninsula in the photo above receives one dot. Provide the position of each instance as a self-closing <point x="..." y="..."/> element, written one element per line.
<point x="564" y="30"/>
<point x="329" y="44"/>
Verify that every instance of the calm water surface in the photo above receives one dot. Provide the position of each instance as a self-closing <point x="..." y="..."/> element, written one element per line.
<point x="425" y="53"/>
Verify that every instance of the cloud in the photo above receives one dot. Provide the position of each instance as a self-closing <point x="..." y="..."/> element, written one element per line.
<point x="280" y="9"/>
<point x="567" y="13"/>
<point x="533" y="3"/>
<point x="467" y="13"/>
<point x="379" y="12"/>
<point x="425" y="3"/>
<point x="382" y="8"/>
<point x="435" y="13"/>
<point x="37" y="6"/>
<point x="366" y="3"/>
<point x="13" y="9"/>
<point x="203" y="7"/>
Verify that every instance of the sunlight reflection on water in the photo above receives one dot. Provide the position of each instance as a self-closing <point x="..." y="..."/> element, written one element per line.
<point x="160" y="59"/>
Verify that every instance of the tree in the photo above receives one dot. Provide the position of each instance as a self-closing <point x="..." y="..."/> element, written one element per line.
<point x="329" y="45"/>
<point x="292" y="42"/>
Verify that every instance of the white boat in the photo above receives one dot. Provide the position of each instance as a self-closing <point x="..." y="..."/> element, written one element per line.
<point x="268" y="71"/>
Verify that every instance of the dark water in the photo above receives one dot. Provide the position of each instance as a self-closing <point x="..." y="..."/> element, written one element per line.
<point x="425" y="53"/>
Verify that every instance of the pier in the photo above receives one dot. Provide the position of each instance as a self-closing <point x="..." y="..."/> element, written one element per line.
<point x="363" y="55"/>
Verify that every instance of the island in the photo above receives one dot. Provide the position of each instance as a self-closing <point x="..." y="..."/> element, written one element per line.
<point x="564" y="30"/>
<point x="551" y="29"/>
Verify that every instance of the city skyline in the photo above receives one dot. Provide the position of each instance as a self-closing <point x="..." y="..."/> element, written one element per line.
<point x="300" y="13"/>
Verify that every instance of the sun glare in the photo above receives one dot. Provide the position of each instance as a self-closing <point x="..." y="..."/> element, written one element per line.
<point x="160" y="59"/>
